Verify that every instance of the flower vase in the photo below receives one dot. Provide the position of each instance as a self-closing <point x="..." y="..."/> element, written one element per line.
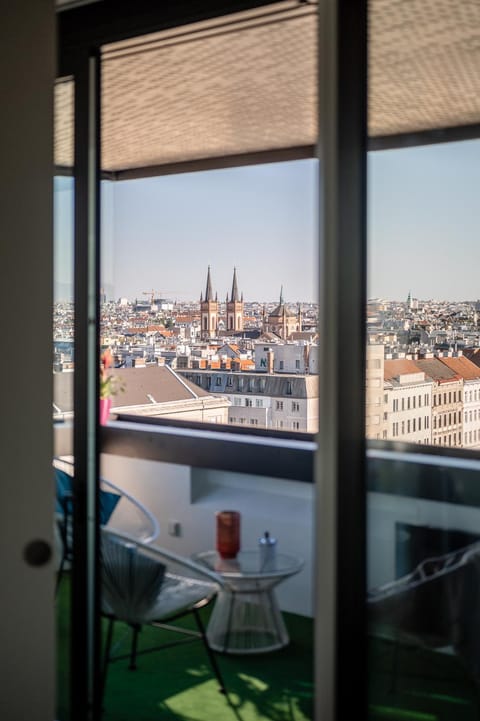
<point x="105" y="405"/>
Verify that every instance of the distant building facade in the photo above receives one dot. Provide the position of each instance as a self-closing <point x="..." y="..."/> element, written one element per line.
<point x="281" y="402"/>
<point x="408" y="395"/>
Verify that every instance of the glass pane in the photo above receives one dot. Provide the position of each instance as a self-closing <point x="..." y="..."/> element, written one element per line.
<point x="209" y="283"/>
<point x="63" y="370"/>
<point x="209" y="313"/>
<point x="423" y="378"/>
<point x="263" y="643"/>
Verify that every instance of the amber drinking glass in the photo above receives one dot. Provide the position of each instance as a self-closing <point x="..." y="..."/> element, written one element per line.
<point x="228" y="533"/>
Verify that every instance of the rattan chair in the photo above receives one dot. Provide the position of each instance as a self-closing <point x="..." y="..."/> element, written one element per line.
<point x="117" y="508"/>
<point x="147" y="585"/>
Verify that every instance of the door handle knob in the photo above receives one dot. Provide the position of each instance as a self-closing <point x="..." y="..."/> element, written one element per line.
<point x="37" y="553"/>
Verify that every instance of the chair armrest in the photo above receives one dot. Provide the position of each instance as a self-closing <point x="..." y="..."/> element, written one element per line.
<point x="163" y="553"/>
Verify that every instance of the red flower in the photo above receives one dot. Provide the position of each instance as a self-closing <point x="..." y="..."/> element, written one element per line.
<point x="106" y="358"/>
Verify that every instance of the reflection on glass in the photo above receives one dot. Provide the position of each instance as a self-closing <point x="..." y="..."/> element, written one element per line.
<point x="424" y="588"/>
<point x="423" y="375"/>
<point x="423" y="354"/>
<point x="63" y="370"/>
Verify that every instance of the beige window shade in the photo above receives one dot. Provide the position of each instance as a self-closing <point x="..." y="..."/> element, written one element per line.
<point x="246" y="84"/>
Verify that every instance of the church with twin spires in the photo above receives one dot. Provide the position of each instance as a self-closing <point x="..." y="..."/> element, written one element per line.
<point x="282" y="321"/>
<point x="209" y="309"/>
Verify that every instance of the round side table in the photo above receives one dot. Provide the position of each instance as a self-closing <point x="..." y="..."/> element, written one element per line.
<point x="246" y="618"/>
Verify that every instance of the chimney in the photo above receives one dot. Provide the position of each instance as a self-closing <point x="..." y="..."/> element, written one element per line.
<point x="270" y="358"/>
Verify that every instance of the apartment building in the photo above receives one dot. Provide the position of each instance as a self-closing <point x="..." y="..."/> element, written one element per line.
<point x="470" y="373"/>
<point x="408" y="402"/>
<point x="447" y="402"/>
<point x="278" y="401"/>
<point x="300" y="357"/>
<point x="375" y="420"/>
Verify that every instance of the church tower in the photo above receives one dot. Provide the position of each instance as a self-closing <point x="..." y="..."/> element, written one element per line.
<point x="235" y="307"/>
<point x="208" y="311"/>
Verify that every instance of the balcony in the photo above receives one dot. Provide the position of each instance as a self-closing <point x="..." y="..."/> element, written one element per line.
<point x="420" y="504"/>
<point x="179" y="684"/>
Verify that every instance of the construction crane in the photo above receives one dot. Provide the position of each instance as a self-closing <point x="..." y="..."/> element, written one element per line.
<point x="159" y="294"/>
<point x="151" y="293"/>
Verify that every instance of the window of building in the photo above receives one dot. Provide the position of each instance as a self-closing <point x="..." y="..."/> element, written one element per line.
<point x="259" y="403"/>
<point x="279" y="405"/>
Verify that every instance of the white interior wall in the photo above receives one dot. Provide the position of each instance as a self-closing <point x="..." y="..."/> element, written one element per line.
<point x="27" y="625"/>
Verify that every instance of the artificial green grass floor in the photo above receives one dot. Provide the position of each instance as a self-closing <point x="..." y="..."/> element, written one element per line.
<point x="178" y="683"/>
<point x="414" y="683"/>
<point x="406" y="683"/>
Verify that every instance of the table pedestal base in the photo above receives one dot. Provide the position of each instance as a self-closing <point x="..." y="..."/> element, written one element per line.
<point x="246" y="622"/>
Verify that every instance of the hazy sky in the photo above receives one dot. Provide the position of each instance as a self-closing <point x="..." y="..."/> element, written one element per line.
<point x="262" y="220"/>
<point x="424" y="222"/>
<point x="162" y="233"/>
